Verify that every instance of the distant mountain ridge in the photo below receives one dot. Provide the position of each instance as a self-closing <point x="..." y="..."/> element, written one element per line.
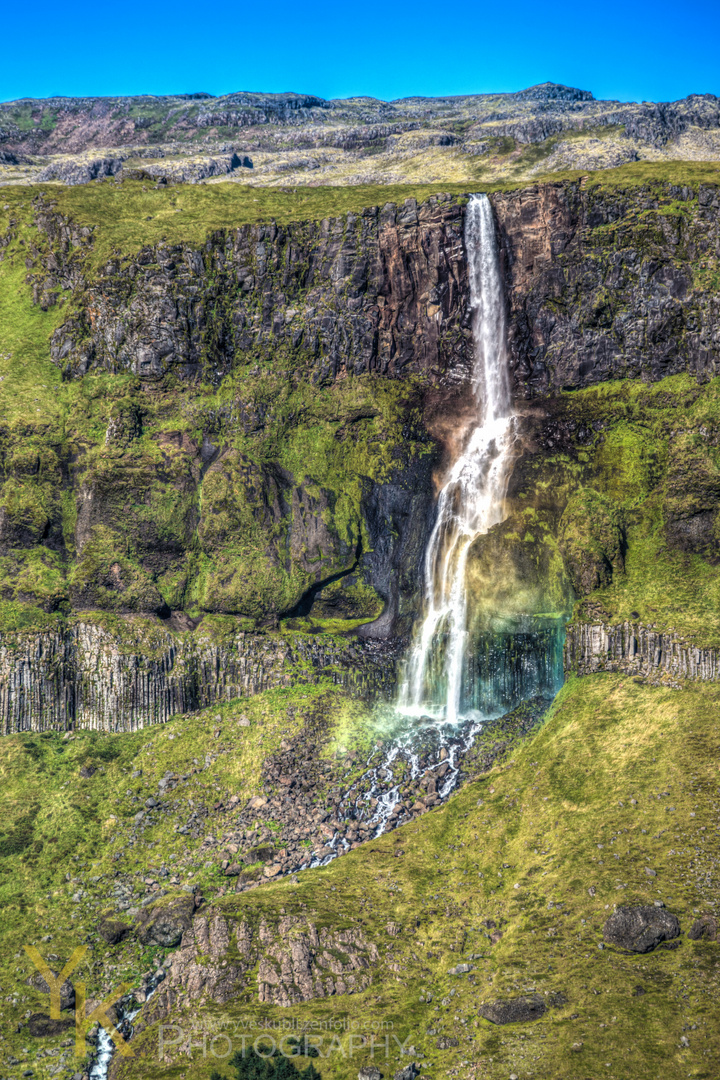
<point x="57" y="134"/>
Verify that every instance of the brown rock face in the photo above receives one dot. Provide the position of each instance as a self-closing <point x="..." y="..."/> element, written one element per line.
<point x="602" y="283"/>
<point x="297" y="962"/>
<point x="382" y="291"/>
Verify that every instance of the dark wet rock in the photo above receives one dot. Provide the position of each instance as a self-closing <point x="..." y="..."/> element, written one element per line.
<point x="41" y="1026"/>
<point x="706" y="927"/>
<point x="166" y="920"/>
<point x="519" y="1010"/>
<point x="113" y="931"/>
<point x="640" y="929"/>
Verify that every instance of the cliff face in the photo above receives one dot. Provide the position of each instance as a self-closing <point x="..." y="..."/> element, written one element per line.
<point x="381" y="292"/>
<point x="602" y="284"/>
<point x="252" y="428"/>
<point x="609" y="284"/>
<point x="123" y="678"/>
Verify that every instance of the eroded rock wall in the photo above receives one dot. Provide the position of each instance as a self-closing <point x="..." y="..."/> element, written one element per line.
<point x="84" y="675"/>
<point x="383" y="291"/>
<point x="637" y="650"/>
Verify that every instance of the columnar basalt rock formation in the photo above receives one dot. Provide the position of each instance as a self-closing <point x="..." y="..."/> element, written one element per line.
<point x="89" y="677"/>
<point x="637" y="650"/>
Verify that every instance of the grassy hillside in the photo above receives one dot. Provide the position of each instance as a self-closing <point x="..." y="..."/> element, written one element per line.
<point x="620" y="781"/>
<point x="131" y="213"/>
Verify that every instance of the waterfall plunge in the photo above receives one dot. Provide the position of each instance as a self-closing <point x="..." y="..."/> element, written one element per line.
<point x="472" y="499"/>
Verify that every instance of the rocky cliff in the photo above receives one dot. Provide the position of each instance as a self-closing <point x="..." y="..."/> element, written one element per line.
<point x="381" y="292"/>
<point x="251" y="427"/>
<point x="602" y="282"/>
<point x="124" y="677"/>
<point x="609" y="284"/>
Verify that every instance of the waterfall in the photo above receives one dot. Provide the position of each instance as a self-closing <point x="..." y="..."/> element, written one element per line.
<point x="472" y="498"/>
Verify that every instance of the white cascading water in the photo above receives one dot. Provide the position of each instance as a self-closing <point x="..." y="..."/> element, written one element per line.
<point x="472" y="499"/>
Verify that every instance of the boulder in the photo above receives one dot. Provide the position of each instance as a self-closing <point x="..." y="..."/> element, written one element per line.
<point x="517" y="1010"/>
<point x="67" y="991"/>
<point x="640" y="929"/>
<point x="248" y="876"/>
<point x="41" y="1026"/>
<point x="113" y="931"/>
<point x="262" y="853"/>
<point x="704" y="927"/>
<point x="408" y="1073"/>
<point x="369" y="1072"/>
<point x="165" y="921"/>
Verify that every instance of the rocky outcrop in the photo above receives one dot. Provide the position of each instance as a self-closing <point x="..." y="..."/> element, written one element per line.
<point x="71" y="173"/>
<point x="191" y="171"/>
<point x="87" y="676"/>
<point x="279" y="964"/>
<point x="382" y="291"/>
<point x="165" y="922"/>
<point x="637" y="650"/>
<point x="591" y="540"/>
<point x="640" y="929"/>
<point x="608" y="284"/>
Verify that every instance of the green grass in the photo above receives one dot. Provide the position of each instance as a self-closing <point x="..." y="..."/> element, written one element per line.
<point x="130" y="214"/>
<point x="556" y="820"/>
<point x="546" y="845"/>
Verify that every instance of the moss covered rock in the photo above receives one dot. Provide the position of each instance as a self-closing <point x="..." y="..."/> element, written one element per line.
<point x="692" y="494"/>
<point x="591" y="537"/>
<point x="517" y="570"/>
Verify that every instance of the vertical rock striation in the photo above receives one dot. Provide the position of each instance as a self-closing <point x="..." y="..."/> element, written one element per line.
<point x="86" y="676"/>
<point x="636" y="650"/>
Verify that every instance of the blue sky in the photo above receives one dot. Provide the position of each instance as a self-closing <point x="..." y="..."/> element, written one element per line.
<point x="630" y="51"/>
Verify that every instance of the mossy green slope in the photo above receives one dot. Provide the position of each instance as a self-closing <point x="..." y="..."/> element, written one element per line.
<point x="621" y="779"/>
